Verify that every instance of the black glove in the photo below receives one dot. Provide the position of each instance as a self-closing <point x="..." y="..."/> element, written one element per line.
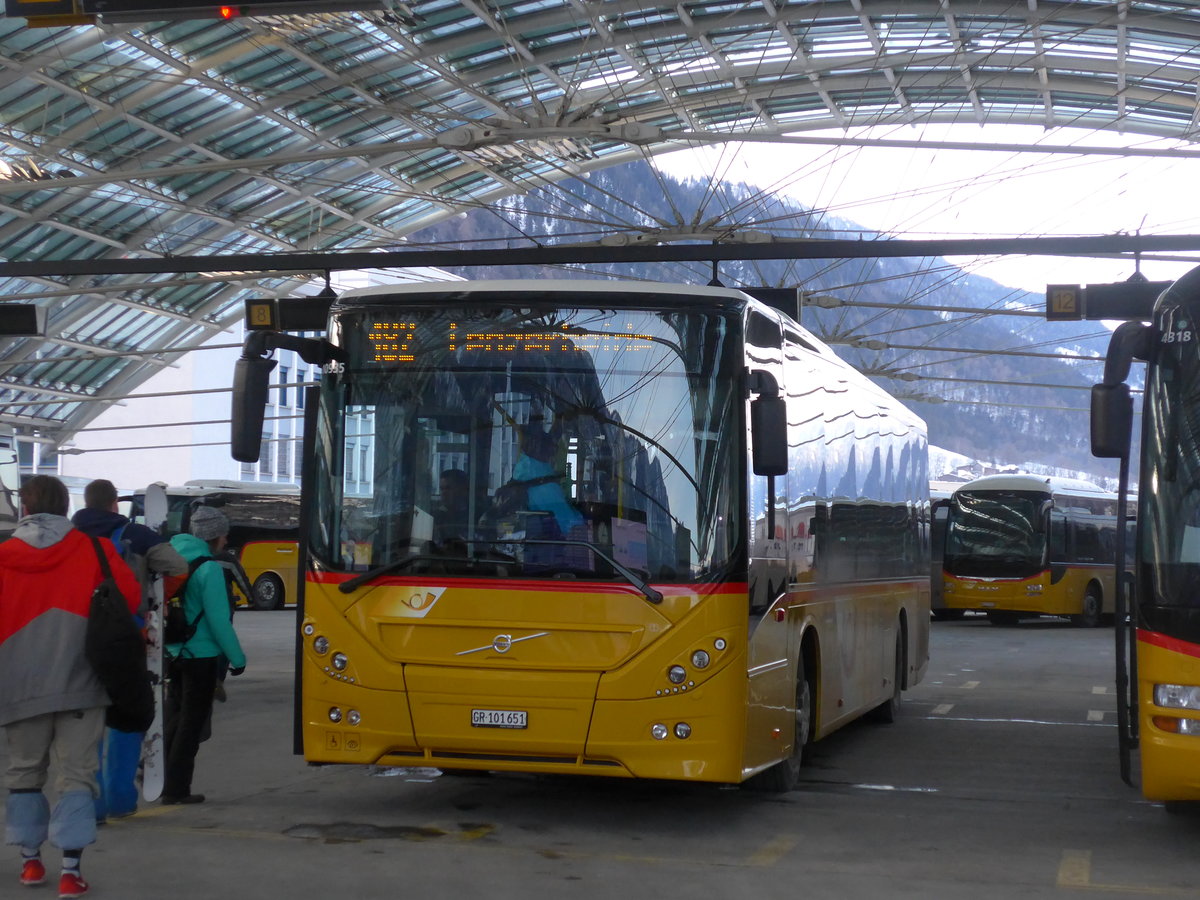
<point x="236" y="670"/>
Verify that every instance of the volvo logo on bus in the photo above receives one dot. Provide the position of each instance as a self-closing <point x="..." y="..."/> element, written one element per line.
<point x="502" y="643"/>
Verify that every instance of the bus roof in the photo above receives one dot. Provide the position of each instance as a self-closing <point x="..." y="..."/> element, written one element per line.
<point x="201" y="487"/>
<point x="661" y="290"/>
<point x="1048" y="484"/>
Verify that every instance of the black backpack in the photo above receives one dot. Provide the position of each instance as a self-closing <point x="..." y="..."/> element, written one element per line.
<point x="116" y="649"/>
<point x="176" y="627"/>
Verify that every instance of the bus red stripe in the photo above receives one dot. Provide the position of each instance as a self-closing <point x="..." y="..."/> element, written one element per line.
<point x="531" y="585"/>
<point x="1169" y="643"/>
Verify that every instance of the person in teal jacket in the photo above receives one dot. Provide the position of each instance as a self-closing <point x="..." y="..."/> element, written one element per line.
<point x="194" y="665"/>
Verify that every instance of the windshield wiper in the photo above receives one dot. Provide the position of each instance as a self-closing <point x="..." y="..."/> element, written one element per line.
<point x="625" y="572"/>
<point x="347" y="586"/>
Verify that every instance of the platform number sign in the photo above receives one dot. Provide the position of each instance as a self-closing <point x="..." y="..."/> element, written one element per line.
<point x="261" y="316"/>
<point x="1064" y="302"/>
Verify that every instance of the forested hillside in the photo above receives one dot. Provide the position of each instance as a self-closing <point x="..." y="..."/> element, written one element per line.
<point x="960" y="370"/>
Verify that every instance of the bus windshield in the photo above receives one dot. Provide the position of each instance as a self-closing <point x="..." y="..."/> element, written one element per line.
<point x="996" y="534"/>
<point x="529" y="442"/>
<point x="1170" y="513"/>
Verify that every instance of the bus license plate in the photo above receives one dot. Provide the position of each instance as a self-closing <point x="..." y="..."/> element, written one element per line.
<point x="499" y="718"/>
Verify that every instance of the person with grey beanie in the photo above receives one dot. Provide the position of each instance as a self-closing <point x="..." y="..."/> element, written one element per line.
<point x="194" y="665"/>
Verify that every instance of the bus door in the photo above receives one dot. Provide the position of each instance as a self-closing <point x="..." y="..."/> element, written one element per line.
<point x="770" y="665"/>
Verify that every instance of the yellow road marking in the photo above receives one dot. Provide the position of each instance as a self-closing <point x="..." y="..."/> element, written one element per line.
<point x="1075" y="869"/>
<point x="1075" y="873"/>
<point x="772" y="852"/>
<point x="475" y="833"/>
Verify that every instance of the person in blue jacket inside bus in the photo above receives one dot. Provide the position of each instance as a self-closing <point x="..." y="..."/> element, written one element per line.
<point x="195" y="663"/>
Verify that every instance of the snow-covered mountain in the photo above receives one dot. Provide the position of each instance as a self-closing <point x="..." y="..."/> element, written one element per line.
<point x="991" y="387"/>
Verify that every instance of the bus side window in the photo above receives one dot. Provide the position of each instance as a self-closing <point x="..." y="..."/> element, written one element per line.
<point x="1087" y="544"/>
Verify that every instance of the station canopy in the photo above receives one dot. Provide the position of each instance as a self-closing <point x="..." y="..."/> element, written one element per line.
<point x="175" y="133"/>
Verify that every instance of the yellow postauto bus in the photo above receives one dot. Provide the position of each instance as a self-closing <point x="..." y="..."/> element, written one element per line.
<point x="1158" y="641"/>
<point x="622" y="530"/>
<point x="264" y="529"/>
<point x="1031" y="545"/>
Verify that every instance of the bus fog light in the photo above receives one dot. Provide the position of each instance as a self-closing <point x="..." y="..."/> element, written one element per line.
<point x="676" y="674"/>
<point x="321" y="645"/>
<point x="309" y="628"/>
<point x="683" y="730"/>
<point x="335" y="714"/>
<point x="659" y="731"/>
<point x="340" y="661"/>
<point x="700" y="659"/>
<point x="719" y="643"/>
<point x="353" y="717"/>
<point x="1177" y="696"/>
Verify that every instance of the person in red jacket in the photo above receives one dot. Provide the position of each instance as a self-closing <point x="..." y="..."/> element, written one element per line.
<point x="51" y="702"/>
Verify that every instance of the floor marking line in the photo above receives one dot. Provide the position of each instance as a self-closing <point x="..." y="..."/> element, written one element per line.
<point x="1095" y="715"/>
<point x="1075" y="869"/>
<point x="970" y="685"/>
<point x="992" y="721"/>
<point x="1075" y="873"/>
<point x="772" y="852"/>
<point x="942" y="708"/>
<point x="1100" y="689"/>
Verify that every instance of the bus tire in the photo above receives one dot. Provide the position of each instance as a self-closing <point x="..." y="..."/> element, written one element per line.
<point x="267" y="592"/>
<point x="1090" y="616"/>
<point x="887" y="711"/>
<point x="784" y="776"/>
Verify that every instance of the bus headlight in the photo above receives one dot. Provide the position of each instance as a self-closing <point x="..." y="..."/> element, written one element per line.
<point x="353" y="717"/>
<point x="335" y="714"/>
<point x="676" y="674"/>
<point x="659" y="732"/>
<point x="683" y="730"/>
<point x="321" y="645"/>
<point x="1177" y="696"/>
<point x="340" y="661"/>
<point x="700" y="659"/>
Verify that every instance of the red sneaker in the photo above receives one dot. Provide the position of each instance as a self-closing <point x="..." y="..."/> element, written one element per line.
<point x="32" y="872"/>
<point x="71" y="885"/>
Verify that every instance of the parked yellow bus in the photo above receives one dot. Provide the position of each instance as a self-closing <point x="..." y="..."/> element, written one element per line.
<point x="1158" y="640"/>
<point x="264" y="528"/>
<point x="627" y="530"/>
<point x="1031" y="545"/>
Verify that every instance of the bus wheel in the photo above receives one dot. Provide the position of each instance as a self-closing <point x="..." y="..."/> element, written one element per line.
<point x="784" y="776"/>
<point x="1090" y="616"/>
<point x="887" y="711"/>
<point x="267" y="592"/>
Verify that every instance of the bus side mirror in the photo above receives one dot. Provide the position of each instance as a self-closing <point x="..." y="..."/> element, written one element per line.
<point x="251" y="381"/>
<point x="1112" y="420"/>
<point x="768" y="425"/>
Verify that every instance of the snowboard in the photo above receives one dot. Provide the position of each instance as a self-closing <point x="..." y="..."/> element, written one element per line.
<point x="154" y="757"/>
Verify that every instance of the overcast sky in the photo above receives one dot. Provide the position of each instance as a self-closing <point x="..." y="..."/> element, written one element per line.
<point x="975" y="193"/>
